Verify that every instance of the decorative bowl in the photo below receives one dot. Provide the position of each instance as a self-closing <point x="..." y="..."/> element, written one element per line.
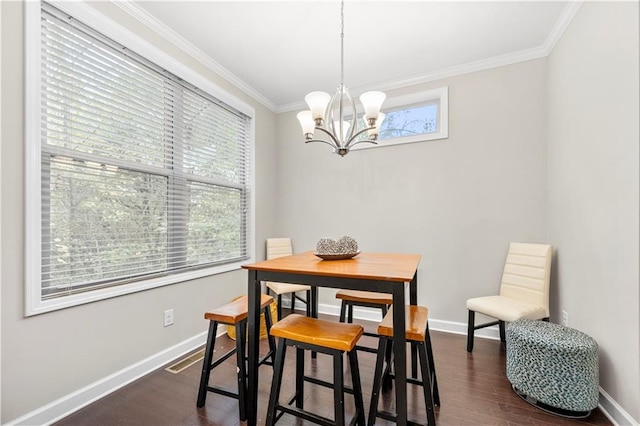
<point x="339" y="256"/>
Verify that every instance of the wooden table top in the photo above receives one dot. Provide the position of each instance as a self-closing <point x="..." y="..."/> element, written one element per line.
<point x="372" y="266"/>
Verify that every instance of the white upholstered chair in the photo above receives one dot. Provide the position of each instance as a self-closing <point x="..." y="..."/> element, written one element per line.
<point x="524" y="290"/>
<point x="279" y="247"/>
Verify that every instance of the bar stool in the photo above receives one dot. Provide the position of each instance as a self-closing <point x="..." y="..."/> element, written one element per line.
<point x="327" y="337"/>
<point x="234" y="313"/>
<point x="369" y="299"/>
<point x="417" y="333"/>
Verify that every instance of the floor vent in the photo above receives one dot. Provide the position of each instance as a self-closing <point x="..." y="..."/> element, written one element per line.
<point x="186" y="362"/>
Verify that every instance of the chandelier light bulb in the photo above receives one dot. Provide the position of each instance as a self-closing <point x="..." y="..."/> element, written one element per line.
<point x="306" y="121"/>
<point x="372" y="102"/>
<point x="317" y="102"/>
<point x="375" y="131"/>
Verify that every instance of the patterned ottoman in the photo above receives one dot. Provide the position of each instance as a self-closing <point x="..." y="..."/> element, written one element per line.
<point x="553" y="367"/>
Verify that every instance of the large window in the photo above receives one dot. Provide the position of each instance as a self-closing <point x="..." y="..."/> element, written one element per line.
<point x="143" y="178"/>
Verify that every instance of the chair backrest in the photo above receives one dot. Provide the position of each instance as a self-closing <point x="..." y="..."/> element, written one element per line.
<point x="278" y="247"/>
<point x="527" y="272"/>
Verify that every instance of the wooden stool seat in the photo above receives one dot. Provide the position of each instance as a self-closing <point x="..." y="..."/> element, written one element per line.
<point x="306" y="333"/>
<point x="327" y="334"/>
<point x="416" y="333"/>
<point x="236" y="311"/>
<point x="369" y="297"/>
<point x="416" y="319"/>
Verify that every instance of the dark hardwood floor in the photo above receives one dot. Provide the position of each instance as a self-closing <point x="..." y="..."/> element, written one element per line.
<point x="474" y="390"/>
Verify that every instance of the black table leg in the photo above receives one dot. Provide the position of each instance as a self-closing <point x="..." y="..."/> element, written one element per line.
<point x="253" y="325"/>
<point x="413" y="300"/>
<point x="400" y="353"/>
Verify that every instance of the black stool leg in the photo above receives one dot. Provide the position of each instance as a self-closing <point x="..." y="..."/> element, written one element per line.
<point x="309" y="304"/>
<point x="343" y="311"/>
<point x="338" y="388"/>
<point x="279" y="309"/>
<point x="426" y="384"/>
<point x="299" y="378"/>
<point x="206" y="363"/>
<point x="377" y="380"/>
<point x="276" y="382"/>
<point x="470" y="330"/>
<point x="432" y="368"/>
<point x="272" y="341"/>
<point x="241" y="337"/>
<point x="357" y="386"/>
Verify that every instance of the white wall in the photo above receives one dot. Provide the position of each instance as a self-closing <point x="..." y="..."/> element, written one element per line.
<point x="51" y="355"/>
<point x="593" y="187"/>
<point x="458" y="202"/>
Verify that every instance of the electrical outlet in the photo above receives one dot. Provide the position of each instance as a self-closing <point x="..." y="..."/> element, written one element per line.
<point x="168" y="317"/>
<point x="565" y="318"/>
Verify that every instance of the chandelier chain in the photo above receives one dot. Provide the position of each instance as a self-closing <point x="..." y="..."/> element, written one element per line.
<point x="342" y="43"/>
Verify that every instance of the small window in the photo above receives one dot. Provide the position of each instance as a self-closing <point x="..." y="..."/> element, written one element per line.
<point x="418" y="117"/>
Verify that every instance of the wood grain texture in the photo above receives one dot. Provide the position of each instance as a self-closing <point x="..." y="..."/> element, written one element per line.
<point x="236" y="310"/>
<point x="372" y="266"/>
<point x="370" y="297"/>
<point x="474" y="390"/>
<point x="416" y="318"/>
<point x="327" y="334"/>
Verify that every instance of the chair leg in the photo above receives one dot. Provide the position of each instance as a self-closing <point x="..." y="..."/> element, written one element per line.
<point x="338" y="388"/>
<point x="470" y="330"/>
<point x="387" y="380"/>
<point x="377" y="381"/>
<point x="206" y="363"/>
<point x="309" y="304"/>
<point x="503" y="337"/>
<point x="350" y="313"/>
<point x="300" y="378"/>
<point x="279" y="307"/>
<point x="276" y="383"/>
<point x="426" y="384"/>
<point x="272" y="341"/>
<point x="357" y="386"/>
<point x="432" y="368"/>
<point x="241" y="337"/>
<point x="343" y="311"/>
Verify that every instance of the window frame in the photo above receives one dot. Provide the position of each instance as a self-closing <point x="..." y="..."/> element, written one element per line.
<point x="34" y="303"/>
<point x="441" y="95"/>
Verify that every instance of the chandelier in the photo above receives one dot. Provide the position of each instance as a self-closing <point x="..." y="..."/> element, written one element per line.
<point x="337" y="116"/>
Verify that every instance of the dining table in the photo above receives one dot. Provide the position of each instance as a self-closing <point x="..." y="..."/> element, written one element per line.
<point x="379" y="272"/>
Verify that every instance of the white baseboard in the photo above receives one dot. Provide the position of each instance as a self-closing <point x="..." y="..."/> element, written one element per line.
<point x="372" y="314"/>
<point x="614" y="411"/>
<point x="73" y="402"/>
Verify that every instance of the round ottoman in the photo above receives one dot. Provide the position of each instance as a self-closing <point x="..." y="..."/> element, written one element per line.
<point x="553" y="367"/>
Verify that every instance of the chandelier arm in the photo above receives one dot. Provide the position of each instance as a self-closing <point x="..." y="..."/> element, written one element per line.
<point x="323" y="141"/>
<point x="336" y="142"/>
<point x="352" y="138"/>
<point x="364" y="141"/>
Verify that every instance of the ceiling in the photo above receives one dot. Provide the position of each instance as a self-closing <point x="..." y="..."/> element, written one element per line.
<point x="281" y="50"/>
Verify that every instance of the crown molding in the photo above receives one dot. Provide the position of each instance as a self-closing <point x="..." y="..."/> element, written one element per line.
<point x="554" y="36"/>
<point x="485" y="64"/>
<point x="561" y="25"/>
<point x="181" y="43"/>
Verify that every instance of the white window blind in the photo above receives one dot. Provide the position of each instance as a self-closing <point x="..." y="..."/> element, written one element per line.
<point x="142" y="174"/>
